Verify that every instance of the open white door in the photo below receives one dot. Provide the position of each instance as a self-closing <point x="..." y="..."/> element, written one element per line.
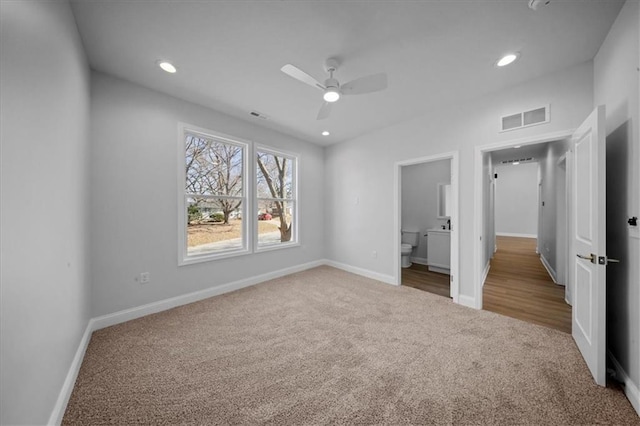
<point x="588" y="260"/>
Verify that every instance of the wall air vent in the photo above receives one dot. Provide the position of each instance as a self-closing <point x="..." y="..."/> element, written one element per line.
<point x="525" y="119"/>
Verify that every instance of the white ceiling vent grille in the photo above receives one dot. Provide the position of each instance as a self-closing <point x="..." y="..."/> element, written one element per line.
<point x="519" y="160"/>
<point x="525" y="119"/>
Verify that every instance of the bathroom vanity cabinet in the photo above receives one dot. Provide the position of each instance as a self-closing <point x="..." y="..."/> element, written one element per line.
<point x="439" y="250"/>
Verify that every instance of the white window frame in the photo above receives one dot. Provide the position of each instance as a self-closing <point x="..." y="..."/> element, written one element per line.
<point x="247" y="204"/>
<point x="249" y="196"/>
<point x="294" y="191"/>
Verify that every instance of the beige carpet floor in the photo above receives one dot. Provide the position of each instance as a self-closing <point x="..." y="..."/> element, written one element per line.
<point x="327" y="347"/>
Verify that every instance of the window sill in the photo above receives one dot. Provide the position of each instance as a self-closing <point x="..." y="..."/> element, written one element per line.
<point x="277" y="246"/>
<point x="211" y="257"/>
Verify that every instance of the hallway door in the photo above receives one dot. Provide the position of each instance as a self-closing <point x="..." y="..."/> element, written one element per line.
<point x="588" y="238"/>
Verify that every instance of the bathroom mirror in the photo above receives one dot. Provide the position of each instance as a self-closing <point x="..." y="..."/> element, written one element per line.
<point x="444" y="201"/>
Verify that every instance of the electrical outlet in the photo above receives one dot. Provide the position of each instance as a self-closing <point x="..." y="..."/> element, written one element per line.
<point x="145" y="277"/>
<point x="374" y="254"/>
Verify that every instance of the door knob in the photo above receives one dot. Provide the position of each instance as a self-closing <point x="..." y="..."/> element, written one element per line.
<point x="600" y="260"/>
<point x="591" y="258"/>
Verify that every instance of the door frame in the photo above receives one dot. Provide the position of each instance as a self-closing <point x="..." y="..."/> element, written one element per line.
<point x="453" y="156"/>
<point x="479" y="218"/>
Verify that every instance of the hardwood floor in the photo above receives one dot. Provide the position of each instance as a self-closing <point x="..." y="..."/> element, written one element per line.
<point x="419" y="276"/>
<point x="519" y="286"/>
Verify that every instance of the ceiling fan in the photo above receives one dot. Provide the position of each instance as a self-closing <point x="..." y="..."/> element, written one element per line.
<point x="332" y="89"/>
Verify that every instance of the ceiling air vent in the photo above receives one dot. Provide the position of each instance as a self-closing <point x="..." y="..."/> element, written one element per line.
<point x="519" y="160"/>
<point x="259" y="115"/>
<point x="525" y="119"/>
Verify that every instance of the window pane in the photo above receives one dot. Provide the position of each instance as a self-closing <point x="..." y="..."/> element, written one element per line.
<point x="213" y="226"/>
<point x="212" y="167"/>
<point x="275" y="222"/>
<point x="274" y="175"/>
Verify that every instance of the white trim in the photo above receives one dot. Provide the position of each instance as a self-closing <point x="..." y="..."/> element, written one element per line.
<point x="70" y="380"/>
<point x="467" y="301"/>
<point x="453" y="156"/>
<point x="479" y="217"/>
<point x="163" y="305"/>
<point x="440" y="269"/>
<point x="630" y="389"/>
<point x="514" y="234"/>
<point x="485" y="273"/>
<point x="387" y="279"/>
<point x="550" y="270"/>
<point x="420" y="261"/>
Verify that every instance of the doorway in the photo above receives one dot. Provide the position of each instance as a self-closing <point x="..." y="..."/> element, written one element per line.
<point x="524" y="233"/>
<point x="431" y="204"/>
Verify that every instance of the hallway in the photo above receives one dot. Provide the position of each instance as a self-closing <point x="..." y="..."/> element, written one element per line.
<point x="519" y="286"/>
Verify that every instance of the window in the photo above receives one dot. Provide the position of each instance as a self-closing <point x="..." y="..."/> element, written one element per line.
<point x="219" y="213"/>
<point x="275" y="198"/>
<point x="214" y="196"/>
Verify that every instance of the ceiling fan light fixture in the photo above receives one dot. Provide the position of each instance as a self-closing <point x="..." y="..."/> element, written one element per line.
<point x="331" y="94"/>
<point x="507" y="59"/>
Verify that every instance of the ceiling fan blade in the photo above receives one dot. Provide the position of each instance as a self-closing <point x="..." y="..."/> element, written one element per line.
<point x="368" y="84"/>
<point x="302" y="76"/>
<point x="325" y="110"/>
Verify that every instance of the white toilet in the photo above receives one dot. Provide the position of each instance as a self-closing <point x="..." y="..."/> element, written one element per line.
<point x="409" y="241"/>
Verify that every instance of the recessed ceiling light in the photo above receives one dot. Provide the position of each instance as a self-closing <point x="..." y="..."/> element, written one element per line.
<point x="515" y="163"/>
<point x="507" y="59"/>
<point x="325" y="133"/>
<point x="517" y="146"/>
<point x="167" y="66"/>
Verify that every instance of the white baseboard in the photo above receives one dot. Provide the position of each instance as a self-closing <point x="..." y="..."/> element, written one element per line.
<point x="468" y="301"/>
<point x="630" y="388"/>
<point x="440" y="270"/>
<point x="163" y="305"/>
<point x="550" y="270"/>
<point x="485" y="273"/>
<point x="513" y="234"/>
<point x="69" y="382"/>
<point x="388" y="279"/>
<point x="420" y="261"/>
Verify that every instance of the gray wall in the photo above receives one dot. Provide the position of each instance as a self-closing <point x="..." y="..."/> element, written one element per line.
<point x="419" y="200"/>
<point x="134" y="140"/>
<point x="551" y="232"/>
<point x="44" y="196"/>
<point x="616" y="86"/>
<point x="516" y="207"/>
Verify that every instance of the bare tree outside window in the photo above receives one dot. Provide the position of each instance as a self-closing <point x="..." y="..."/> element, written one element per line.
<point x="214" y="168"/>
<point x="275" y="190"/>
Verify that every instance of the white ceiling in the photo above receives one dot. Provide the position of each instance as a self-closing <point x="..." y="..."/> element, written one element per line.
<point x="229" y="53"/>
